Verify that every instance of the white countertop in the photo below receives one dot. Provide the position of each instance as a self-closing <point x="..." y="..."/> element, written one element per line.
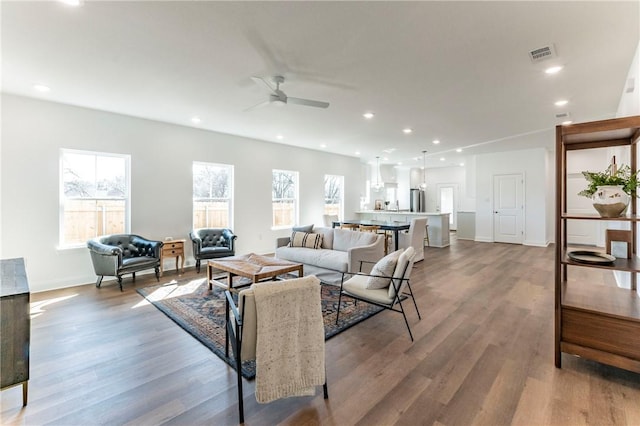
<point x="407" y="213"/>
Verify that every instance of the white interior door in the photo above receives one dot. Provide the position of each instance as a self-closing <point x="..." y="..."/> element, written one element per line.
<point x="580" y="231"/>
<point x="508" y="208"/>
<point x="447" y="202"/>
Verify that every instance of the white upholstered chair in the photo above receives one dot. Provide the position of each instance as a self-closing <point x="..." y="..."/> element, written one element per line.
<point x="328" y="220"/>
<point x="389" y="293"/>
<point x="414" y="237"/>
<point x="245" y="321"/>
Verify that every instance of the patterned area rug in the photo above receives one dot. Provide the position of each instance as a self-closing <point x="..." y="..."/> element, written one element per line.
<point x="201" y="312"/>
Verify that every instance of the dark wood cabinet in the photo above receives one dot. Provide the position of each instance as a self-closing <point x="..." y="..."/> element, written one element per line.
<point x="15" y="325"/>
<point x="598" y="322"/>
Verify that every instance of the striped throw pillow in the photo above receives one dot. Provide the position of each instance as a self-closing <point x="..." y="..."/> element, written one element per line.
<point x="306" y="239"/>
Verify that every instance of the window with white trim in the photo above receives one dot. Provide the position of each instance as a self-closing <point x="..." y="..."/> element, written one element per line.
<point x="334" y="195"/>
<point x="212" y="195"/>
<point x="94" y="195"/>
<point x="284" y="198"/>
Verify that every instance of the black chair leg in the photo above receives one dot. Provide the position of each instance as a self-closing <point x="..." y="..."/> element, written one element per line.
<point x="198" y="266"/>
<point x="157" y="269"/>
<point x="405" y="320"/>
<point x="239" y="375"/>
<point x="339" y="301"/>
<point x="326" y="391"/>
<point x="134" y="276"/>
<point x="120" y="282"/>
<point x="414" y="301"/>
<point x="99" y="282"/>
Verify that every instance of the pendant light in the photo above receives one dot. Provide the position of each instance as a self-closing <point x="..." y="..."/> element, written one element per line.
<point x="378" y="185"/>
<point x="423" y="185"/>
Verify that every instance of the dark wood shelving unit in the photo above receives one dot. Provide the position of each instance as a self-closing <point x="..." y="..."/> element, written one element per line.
<point x="598" y="322"/>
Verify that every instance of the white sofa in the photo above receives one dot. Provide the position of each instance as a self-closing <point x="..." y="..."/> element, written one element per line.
<point x="341" y="251"/>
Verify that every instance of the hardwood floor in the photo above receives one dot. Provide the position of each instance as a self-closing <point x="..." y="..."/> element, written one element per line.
<point x="483" y="355"/>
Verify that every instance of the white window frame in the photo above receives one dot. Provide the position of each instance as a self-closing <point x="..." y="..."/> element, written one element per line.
<point x="62" y="244"/>
<point x="295" y="199"/>
<point x="229" y="199"/>
<point x="341" y="184"/>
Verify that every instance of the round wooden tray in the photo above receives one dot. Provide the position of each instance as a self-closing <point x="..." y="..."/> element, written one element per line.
<point x="590" y="256"/>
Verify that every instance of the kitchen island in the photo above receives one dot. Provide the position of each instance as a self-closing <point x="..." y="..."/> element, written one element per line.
<point x="438" y="222"/>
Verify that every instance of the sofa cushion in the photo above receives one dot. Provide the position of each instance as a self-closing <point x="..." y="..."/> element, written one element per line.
<point x="303" y="228"/>
<point x="328" y="259"/>
<point x="344" y="239"/>
<point x="306" y="239"/>
<point x="327" y="237"/>
<point x="385" y="267"/>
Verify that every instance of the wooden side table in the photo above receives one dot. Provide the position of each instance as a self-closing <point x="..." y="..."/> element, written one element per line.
<point x="172" y="248"/>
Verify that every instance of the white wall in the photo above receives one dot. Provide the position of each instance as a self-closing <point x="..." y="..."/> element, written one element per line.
<point x="630" y="98"/>
<point x="532" y="163"/>
<point x="34" y="131"/>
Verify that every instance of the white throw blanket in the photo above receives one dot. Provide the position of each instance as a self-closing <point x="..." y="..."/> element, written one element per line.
<point x="290" y="341"/>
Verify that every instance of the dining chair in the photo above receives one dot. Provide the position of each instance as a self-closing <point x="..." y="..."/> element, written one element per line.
<point x="328" y="219"/>
<point x="414" y="237"/>
<point x="349" y="226"/>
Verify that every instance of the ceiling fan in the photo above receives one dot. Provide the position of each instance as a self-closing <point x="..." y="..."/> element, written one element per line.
<point x="277" y="96"/>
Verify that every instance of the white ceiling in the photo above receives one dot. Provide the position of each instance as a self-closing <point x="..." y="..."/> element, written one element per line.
<point x="454" y="71"/>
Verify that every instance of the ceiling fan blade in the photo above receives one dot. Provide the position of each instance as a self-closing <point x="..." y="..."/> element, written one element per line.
<point x="307" y="102"/>
<point x="262" y="81"/>
<point x="258" y="105"/>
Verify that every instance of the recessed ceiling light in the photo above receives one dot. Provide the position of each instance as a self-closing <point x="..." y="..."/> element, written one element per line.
<point x="553" y="70"/>
<point x="436" y="141"/>
<point x="561" y="102"/>
<point x="407" y="131"/>
<point x="461" y="164"/>
<point x="41" y="88"/>
<point x="71" y="2"/>
<point x="279" y="137"/>
<point x="195" y="119"/>
<point x="564" y="123"/>
<point x="357" y="152"/>
<point x="323" y="145"/>
<point x="368" y="115"/>
<point x="386" y="158"/>
<point x="399" y="163"/>
<point x="441" y="158"/>
<point x="459" y="150"/>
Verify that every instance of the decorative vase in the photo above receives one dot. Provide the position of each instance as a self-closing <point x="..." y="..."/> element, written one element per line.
<point x="610" y="200"/>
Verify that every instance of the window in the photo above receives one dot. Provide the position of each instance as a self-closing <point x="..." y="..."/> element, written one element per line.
<point x="333" y="194"/>
<point x="212" y="195"/>
<point x="94" y="196"/>
<point x="284" y="198"/>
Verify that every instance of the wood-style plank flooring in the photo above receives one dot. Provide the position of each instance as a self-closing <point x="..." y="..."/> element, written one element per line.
<point x="483" y="355"/>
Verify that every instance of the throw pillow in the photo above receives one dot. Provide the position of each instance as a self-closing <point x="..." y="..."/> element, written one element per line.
<point x="306" y="239"/>
<point x="303" y="228"/>
<point x="385" y="267"/>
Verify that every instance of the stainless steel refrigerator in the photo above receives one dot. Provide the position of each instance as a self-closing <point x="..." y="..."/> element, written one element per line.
<point x="417" y="202"/>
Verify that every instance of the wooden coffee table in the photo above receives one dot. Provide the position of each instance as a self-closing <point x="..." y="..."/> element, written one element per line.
<point x="252" y="266"/>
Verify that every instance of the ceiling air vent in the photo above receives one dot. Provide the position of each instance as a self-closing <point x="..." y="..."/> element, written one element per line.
<point x="562" y="115"/>
<point x="543" y="53"/>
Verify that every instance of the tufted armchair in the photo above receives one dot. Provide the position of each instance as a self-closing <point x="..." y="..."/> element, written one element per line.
<point x="211" y="243"/>
<point x="119" y="254"/>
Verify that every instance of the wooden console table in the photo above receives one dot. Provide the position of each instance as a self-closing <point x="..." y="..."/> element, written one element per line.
<point x="15" y="326"/>
<point x="172" y="248"/>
